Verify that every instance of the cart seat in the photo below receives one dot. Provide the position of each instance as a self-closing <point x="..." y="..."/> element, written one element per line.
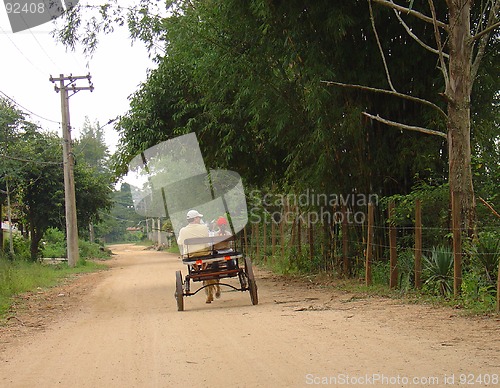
<point x="212" y="243"/>
<point x="214" y="248"/>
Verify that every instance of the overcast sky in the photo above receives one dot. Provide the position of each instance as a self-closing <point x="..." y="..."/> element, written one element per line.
<point x="30" y="57"/>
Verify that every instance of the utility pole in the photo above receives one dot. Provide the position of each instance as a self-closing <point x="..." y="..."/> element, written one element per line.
<point x="69" y="161"/>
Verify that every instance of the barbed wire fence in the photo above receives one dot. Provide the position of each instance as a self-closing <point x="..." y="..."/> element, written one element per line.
<point x="351" y="249"/>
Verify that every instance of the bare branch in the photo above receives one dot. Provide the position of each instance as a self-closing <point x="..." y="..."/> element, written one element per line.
<point x="482" y="16"/>
<point x="440" y="46"/>
<point x="389" y="92"/>
<point x="483" y="37"/>
<point x="492" y="21"/>
<point x="486" y="31"/>
<point x="489" y="207"/>
<point x="419" y="15"/>
<point x="415" y="37"/>
<point x="388" y="75"/>
<point x="406" y="127"/>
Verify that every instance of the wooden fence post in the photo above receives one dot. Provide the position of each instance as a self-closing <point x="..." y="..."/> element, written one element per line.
<point x="265" y="238"/>
<point x="345" y="247"/>
<point x="418" y="244"/>
<point x="273" y="235"/>
<point x="393" y="282"/>
<point x="369" y="240"/>
<point x="252" y="239"/>
<point x="310" y="231"/>
<point x="257" y="240"/>
<point x="245" y="244"/>
<point x="299" y="234"/>
<point x="457" y="244"/>
<point x="282" y="237"/>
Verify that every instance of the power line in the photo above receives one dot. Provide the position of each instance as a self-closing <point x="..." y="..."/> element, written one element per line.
<point x="27" y="110"/>
<point x="27" y="160"/>
<point x="44" y="51"/>
<point x="41" y="47"/>
<point x="20" y="51"/>
<point x="34" y="37"/>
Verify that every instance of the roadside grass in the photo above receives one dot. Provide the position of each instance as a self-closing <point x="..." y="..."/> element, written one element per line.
<point x="477" y="297"/>
<point x="174" y="248"/>
<point x="22" y="276"/>
<point x="461" y="304"/>
<point x="358" y="290"/>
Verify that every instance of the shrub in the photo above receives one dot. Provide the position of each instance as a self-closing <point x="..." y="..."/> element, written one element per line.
<point x="53" y="243"/>
<point x="478" y="294"/>
<point x="90" y="250"/>
<point x="479" y="282"/>
<point x="485" y="255"/>
<point x="381" y="272"/>
<point x="406" y="269"/>
<point x="21" y="247"/>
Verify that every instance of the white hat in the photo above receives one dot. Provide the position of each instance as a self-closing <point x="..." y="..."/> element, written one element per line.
<point x="193" y="214"/>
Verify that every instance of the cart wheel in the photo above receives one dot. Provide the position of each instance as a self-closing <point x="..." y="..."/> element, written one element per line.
<point x="179" y="295"/>
<point x="252" y="285"/>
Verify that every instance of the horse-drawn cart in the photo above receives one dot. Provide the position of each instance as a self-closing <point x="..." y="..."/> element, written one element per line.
<point x="212" y="266"/>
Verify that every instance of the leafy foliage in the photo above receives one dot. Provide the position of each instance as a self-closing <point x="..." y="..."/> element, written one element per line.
<point x="54" y="243"/>
<point x="32" y="165"/>
<point x="485" y="255"/>
<point x="435" y="207"/>
<point x="122" y="215"/>
<point x="246" y="78"/>
<point x="479" y="280"/>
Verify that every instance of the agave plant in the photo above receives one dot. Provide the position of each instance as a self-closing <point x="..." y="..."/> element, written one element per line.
<point x="438" y="269"/>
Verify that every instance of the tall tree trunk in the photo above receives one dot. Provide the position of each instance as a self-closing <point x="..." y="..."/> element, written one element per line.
<point x="458" y="93"/>
<point x="35" y="239"/>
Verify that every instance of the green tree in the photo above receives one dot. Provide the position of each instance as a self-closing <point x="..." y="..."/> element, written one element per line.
<point x="121" y="216"/>
<point x="94" y="177"/>
<point x="91" y="146"/>
<point x="93" y="194"/>
<point x="12" y="122"/>
<point x="247" y="78"/>
<point x="32" y="164"/>
<point x="461" y="38"/>
<point x="40" y="192"/>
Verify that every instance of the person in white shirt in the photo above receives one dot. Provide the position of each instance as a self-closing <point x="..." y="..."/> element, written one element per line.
<point x="194" y="228"/>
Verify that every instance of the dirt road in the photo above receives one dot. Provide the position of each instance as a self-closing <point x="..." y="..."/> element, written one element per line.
<point x="121" y="328"/>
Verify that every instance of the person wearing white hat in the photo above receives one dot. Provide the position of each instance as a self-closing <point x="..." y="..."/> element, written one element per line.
<point x="195" y="228"/>
<point x="192" y="214"/>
